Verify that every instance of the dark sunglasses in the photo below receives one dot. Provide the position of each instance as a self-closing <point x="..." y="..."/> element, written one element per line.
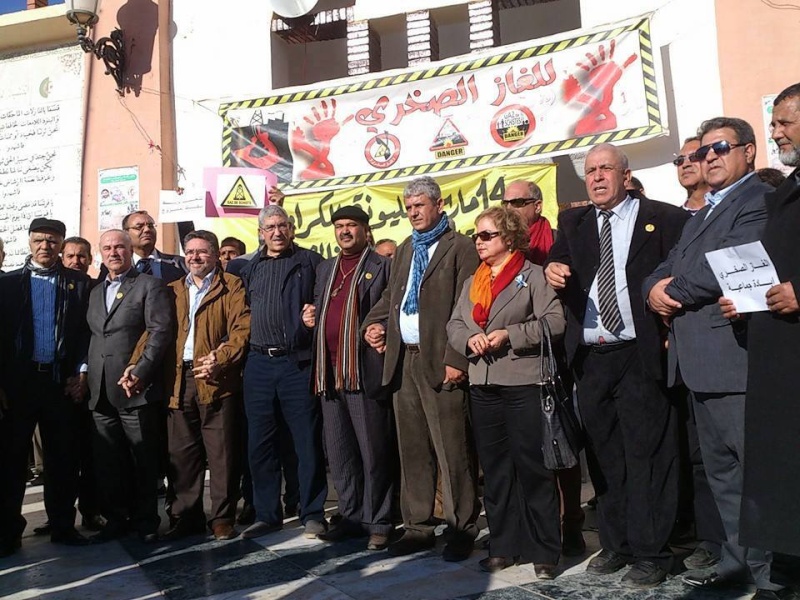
<point x="721" y="148"/>
<point x="682" y="158"/>
<point x="484" y="236"/>
<point x="519" y="202"/>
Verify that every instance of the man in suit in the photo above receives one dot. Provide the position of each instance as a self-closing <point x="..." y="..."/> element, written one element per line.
<point x="202" y="379"/>
<point x="279" y="282"/>
<point x="43" y="343"/>
<point x="600" y="257"/>
<point x="706" y="351"/>
<point x="768" y="517"/>
<point x="357" y="418"/>
<point x="409" y="324"/>
<point x="142" y="229"/>
<point x="125" y="307"/>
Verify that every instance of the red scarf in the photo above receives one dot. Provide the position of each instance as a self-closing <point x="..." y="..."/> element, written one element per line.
<point x="541" y="235"/>
<point x="483" y="290"/>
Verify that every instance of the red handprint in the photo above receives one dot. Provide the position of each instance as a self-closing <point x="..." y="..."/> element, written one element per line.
<point x="324" y="127"/>
<point x="260" y="152"/>
<point x="597" y="90"/>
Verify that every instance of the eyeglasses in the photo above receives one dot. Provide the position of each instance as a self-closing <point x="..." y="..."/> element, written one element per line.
<point x="519" y="202"/>
<point x="143" y="226"/>
<point x="484" y="236"/>
<point x="272" y="228"/>
<point x="721" y="148"/>
<point x="682" y="158"/>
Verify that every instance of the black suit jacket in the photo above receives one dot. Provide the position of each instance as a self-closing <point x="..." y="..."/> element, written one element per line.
<point x="171" y="267"/>
<point x="13" y="323"/>
<point x="658" y="227"/>
<point x="374" y="279"/>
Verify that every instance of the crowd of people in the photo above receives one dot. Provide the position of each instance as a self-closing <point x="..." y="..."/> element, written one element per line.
<point x="411" y="369"/>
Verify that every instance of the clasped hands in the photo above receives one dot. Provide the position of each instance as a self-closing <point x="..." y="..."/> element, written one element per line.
<point x="486" y="343"/>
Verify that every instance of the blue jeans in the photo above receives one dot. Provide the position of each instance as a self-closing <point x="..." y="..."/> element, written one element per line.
<point x="272" y="385"/>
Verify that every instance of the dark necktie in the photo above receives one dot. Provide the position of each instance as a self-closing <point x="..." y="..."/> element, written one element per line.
<point x="144" y="266"/>
<point x="606" y="283"/>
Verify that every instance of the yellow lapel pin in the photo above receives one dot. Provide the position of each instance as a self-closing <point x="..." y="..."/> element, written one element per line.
<point x="71" y="286"/>
<point x="368" y="276"/>
<point x="119" y="295"/>
<point x="649" y="228"/>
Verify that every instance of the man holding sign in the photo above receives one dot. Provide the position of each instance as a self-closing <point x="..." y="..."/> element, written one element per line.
<point x="706" y="351"/>
<point x="772" y="411"/>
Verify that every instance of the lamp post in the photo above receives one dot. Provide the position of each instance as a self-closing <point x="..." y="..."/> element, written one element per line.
<point x="111" y="50"/>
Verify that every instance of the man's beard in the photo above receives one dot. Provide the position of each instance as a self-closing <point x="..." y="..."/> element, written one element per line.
<point x="791" y="158"/>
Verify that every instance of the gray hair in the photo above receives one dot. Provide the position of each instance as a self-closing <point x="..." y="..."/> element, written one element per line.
<point x="201" y="234"/>
<point x="424" y="185"/>
<point x="273" y="210"/>
<point x="621" y="156"/>
<point x="742" y="129"/>
<point x="126" y="238"/>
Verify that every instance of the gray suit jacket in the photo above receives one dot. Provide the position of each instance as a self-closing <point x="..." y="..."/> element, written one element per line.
<point x="519" y="310"/>
<point x="706" y="350"/>
<point x="454" y="260"/>
<point x="141" y="307"/>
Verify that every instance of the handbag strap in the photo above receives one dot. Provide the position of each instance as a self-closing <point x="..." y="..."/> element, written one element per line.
<point x="547" y="360"/>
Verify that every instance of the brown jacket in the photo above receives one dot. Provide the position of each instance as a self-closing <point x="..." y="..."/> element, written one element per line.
<point x="222" y="323"/>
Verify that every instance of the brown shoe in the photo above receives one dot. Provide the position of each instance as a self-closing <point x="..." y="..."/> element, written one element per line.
<point x="223" y="531"/>
<point x="378" y="541"/>
<point x="493" y="564"/>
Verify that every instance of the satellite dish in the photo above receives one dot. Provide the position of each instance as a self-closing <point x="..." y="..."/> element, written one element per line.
<point x="291" y="9"/>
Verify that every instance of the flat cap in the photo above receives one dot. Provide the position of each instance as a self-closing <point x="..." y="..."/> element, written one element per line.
<point x="350" y="212"/>
<point x="51" y="225"/>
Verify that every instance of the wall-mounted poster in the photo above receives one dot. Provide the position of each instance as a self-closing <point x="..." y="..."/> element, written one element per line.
<point x="117" y="195"/>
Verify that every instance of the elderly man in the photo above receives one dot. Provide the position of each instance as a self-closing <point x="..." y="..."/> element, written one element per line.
<point x="125" y="411"/>
<point x="357" y="415"/>
<point x="386" y="247"/>
<point x="279" y="282"/>
<point x="143" y="232"/>
<point x="409" y="325"/>
<point x="202" y="378"/>
<point x="707" y="352"/>
<point x="526" y="198"/>
<point x="690" y="176"/>
<point x="768" y="516"/>
<point x="43" y="343"/>
<point x="601" y="256"/>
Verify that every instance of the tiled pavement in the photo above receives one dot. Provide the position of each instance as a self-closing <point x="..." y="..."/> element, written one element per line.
<point x="286" y="565"/>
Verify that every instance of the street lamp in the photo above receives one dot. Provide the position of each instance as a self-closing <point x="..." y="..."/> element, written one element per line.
<point x="111" y="50"/>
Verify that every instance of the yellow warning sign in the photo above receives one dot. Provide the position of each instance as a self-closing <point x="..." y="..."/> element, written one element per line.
<point x="239" y="196"/>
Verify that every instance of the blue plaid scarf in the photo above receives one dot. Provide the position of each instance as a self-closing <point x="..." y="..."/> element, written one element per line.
<point x="421" y="241"/>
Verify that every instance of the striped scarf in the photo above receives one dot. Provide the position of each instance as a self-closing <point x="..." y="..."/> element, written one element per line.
<point x="347" y="375"/>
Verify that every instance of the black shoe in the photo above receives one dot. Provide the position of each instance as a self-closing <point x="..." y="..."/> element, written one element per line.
<point x="45" y="529"/>
<point x="247" y="516"/>
<point x="493" y="564"/>
<point x="37" y="480"/>
<point x="184" y="527"/>
<point x="709" y="580"/>
<point x="148" y="537"/>
<point x="69" y="537"/>
<point x="606" y="562"/>
<point x="93" y="522"/>
<point x="112" y="531"/>
<point x="343" y="530"/>
<point x="457" y="551"/>
<point x="410" y="543"/>
<point x="291" y="510"/>
<point x="644" y="574"/>
<point x="545" y="572"/>
<point x="762" y="594"/>
<point x="9" y="547"/>
<point x="701" y="558"/>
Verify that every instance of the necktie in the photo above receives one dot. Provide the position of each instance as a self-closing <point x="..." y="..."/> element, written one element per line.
<point x="606" y="284"/>
<point x="144" y="266"/>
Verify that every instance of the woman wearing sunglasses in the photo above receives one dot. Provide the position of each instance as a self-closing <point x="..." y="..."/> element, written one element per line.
<point x="495" y="324"/>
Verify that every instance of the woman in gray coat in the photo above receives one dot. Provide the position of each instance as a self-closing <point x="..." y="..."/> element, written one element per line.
<point x="496" y="325"/>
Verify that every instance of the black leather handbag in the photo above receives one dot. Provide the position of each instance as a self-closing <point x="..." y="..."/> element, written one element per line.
<point x="561" y="432"/>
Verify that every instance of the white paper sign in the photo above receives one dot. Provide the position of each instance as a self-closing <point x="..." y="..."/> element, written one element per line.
<point x="744" y="274"/>
<point x="177" y="208"/>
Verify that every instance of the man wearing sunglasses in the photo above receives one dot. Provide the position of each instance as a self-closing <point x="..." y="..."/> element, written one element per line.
<point x="769" y="517"/>
<point x="690" y="177"/>
<point x="599" y="260"/>
<point x="706" y="351"/>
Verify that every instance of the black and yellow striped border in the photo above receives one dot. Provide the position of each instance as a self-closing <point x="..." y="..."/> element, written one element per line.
<point x="653" y="127"/>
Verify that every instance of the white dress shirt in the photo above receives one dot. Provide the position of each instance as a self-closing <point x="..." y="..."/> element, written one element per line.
<point x="196" y="296"/>
<point x="409" y="324"/>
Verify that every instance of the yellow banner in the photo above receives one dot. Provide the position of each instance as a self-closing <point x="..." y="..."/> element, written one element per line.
<point x="465" y="196"/>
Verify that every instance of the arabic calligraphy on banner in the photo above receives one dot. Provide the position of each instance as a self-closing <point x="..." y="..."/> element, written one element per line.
<point x="524" y="101"/>
<point x="465" y="196"/>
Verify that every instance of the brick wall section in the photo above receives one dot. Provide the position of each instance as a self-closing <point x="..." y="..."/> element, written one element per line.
<point x="423" y="38"/>
<point x="36" y="4"/>
<point x="363" y="48"/>
<point x="484" y="25"/>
